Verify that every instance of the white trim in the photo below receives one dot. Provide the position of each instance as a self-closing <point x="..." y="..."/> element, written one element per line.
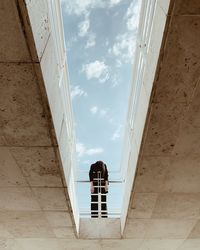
<point x="151" y="14"/>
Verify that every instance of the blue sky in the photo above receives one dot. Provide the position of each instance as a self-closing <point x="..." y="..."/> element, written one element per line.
<point x="100" y="39"/>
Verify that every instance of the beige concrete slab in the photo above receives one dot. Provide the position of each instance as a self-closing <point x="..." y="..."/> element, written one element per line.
<point x="177" y="206"/>
<point x="192" y="116"/>
<point x="10" y="172"/>
<point x="4" y="233"/>
<point x="59" y="219"/>
<point x="94" y="228"/>
<point x="16" y="198"/>
<point x="23" y="120"/>
<point x="169" y="228"/>
<point x="13" y="47"/>
<point x="160" y="244"/>
<point x="184" y="7"/>
<point x="126" y="244"/>
<point x="183" y="175"/>
<point x="39" y="244"/>
<point x="188" y="143"/>
<point x="51" y="198"/>
<point x="142" y="205"/>
<point x="27" y="144"/>
<point x="58" y="244"/>
<point x="191" y="244"/>
<point x="195" y="233"/>
<point x="64" y="232"/>
<point x="180" y="67"/>
<point x="163" y="128"/>
<point x="151" y="174"/>
<point x="25" y="224"/>
<point x="158" y="228"/>
<point x="10" y="244"/>
<point x="38" y="165"/>
<point x="169" y="163"/>
<point x="136" y="228"/>
<point x="80" y="244"/>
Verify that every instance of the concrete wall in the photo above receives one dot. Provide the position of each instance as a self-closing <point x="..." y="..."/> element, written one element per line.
<point x="47" y="29"/>
<point x="165" y="199"/>
<point x="150" y="34"/>
<point x="34" y="201"/>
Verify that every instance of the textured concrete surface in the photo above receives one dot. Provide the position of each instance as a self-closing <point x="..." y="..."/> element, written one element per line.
<point x="165" y="205"/>
<point x="106" y="228"/>
<point x="34" y="209"/>
<point x="164" y="211"/>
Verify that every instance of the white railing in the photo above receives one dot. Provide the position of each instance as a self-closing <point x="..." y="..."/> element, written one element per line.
<point x="114" y="199"/>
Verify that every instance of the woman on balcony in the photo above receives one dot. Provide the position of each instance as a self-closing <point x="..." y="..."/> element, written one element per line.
<point x="98" y="175"/>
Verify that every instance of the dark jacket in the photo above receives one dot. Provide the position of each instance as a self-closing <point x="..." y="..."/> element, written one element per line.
<point x="93" y="174"/>
<point x="94" y="168"/>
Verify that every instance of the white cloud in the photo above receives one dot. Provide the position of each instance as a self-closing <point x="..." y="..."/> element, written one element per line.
<point x="82" y="150"/>
<point x="118" y="63"/>
<point x="82" y="7"/>
<point x="114" y="2"/>
<point x="117" y="133"/>
<point x="133" y="8"/>
<point x="132" y="15"/>
<point x="111" y="121"/>
<point x="70" y="42"/>
<point x="91" y="41"/>
<point x="99" y="112"/>
<point x="96" y="69"/>
<point x="84" y="27"/>
<point x="77" y="91"/>
<point x="124" y="47"/>
<point x="115" y="81"/>
<point x="86" y="162"/>
<point x="132" y="23"/>
<point x="102" y="112"/>
<point x="94" y="110"/>
<point x="94" y="151"/>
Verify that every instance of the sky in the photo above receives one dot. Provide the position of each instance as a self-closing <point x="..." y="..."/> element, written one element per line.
<point x="100" y="37"/>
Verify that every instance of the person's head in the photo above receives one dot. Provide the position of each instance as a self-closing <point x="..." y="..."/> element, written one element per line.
<point x="101" y="166"/>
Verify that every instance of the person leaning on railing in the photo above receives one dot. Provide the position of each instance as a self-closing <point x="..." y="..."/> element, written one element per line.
<point x="98" y="175"/>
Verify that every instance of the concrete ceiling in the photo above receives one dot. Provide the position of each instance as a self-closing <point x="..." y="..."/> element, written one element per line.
<point x="165" y="207"/>
<point x="165" y="204"/>
<point x="33" y="199"/>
